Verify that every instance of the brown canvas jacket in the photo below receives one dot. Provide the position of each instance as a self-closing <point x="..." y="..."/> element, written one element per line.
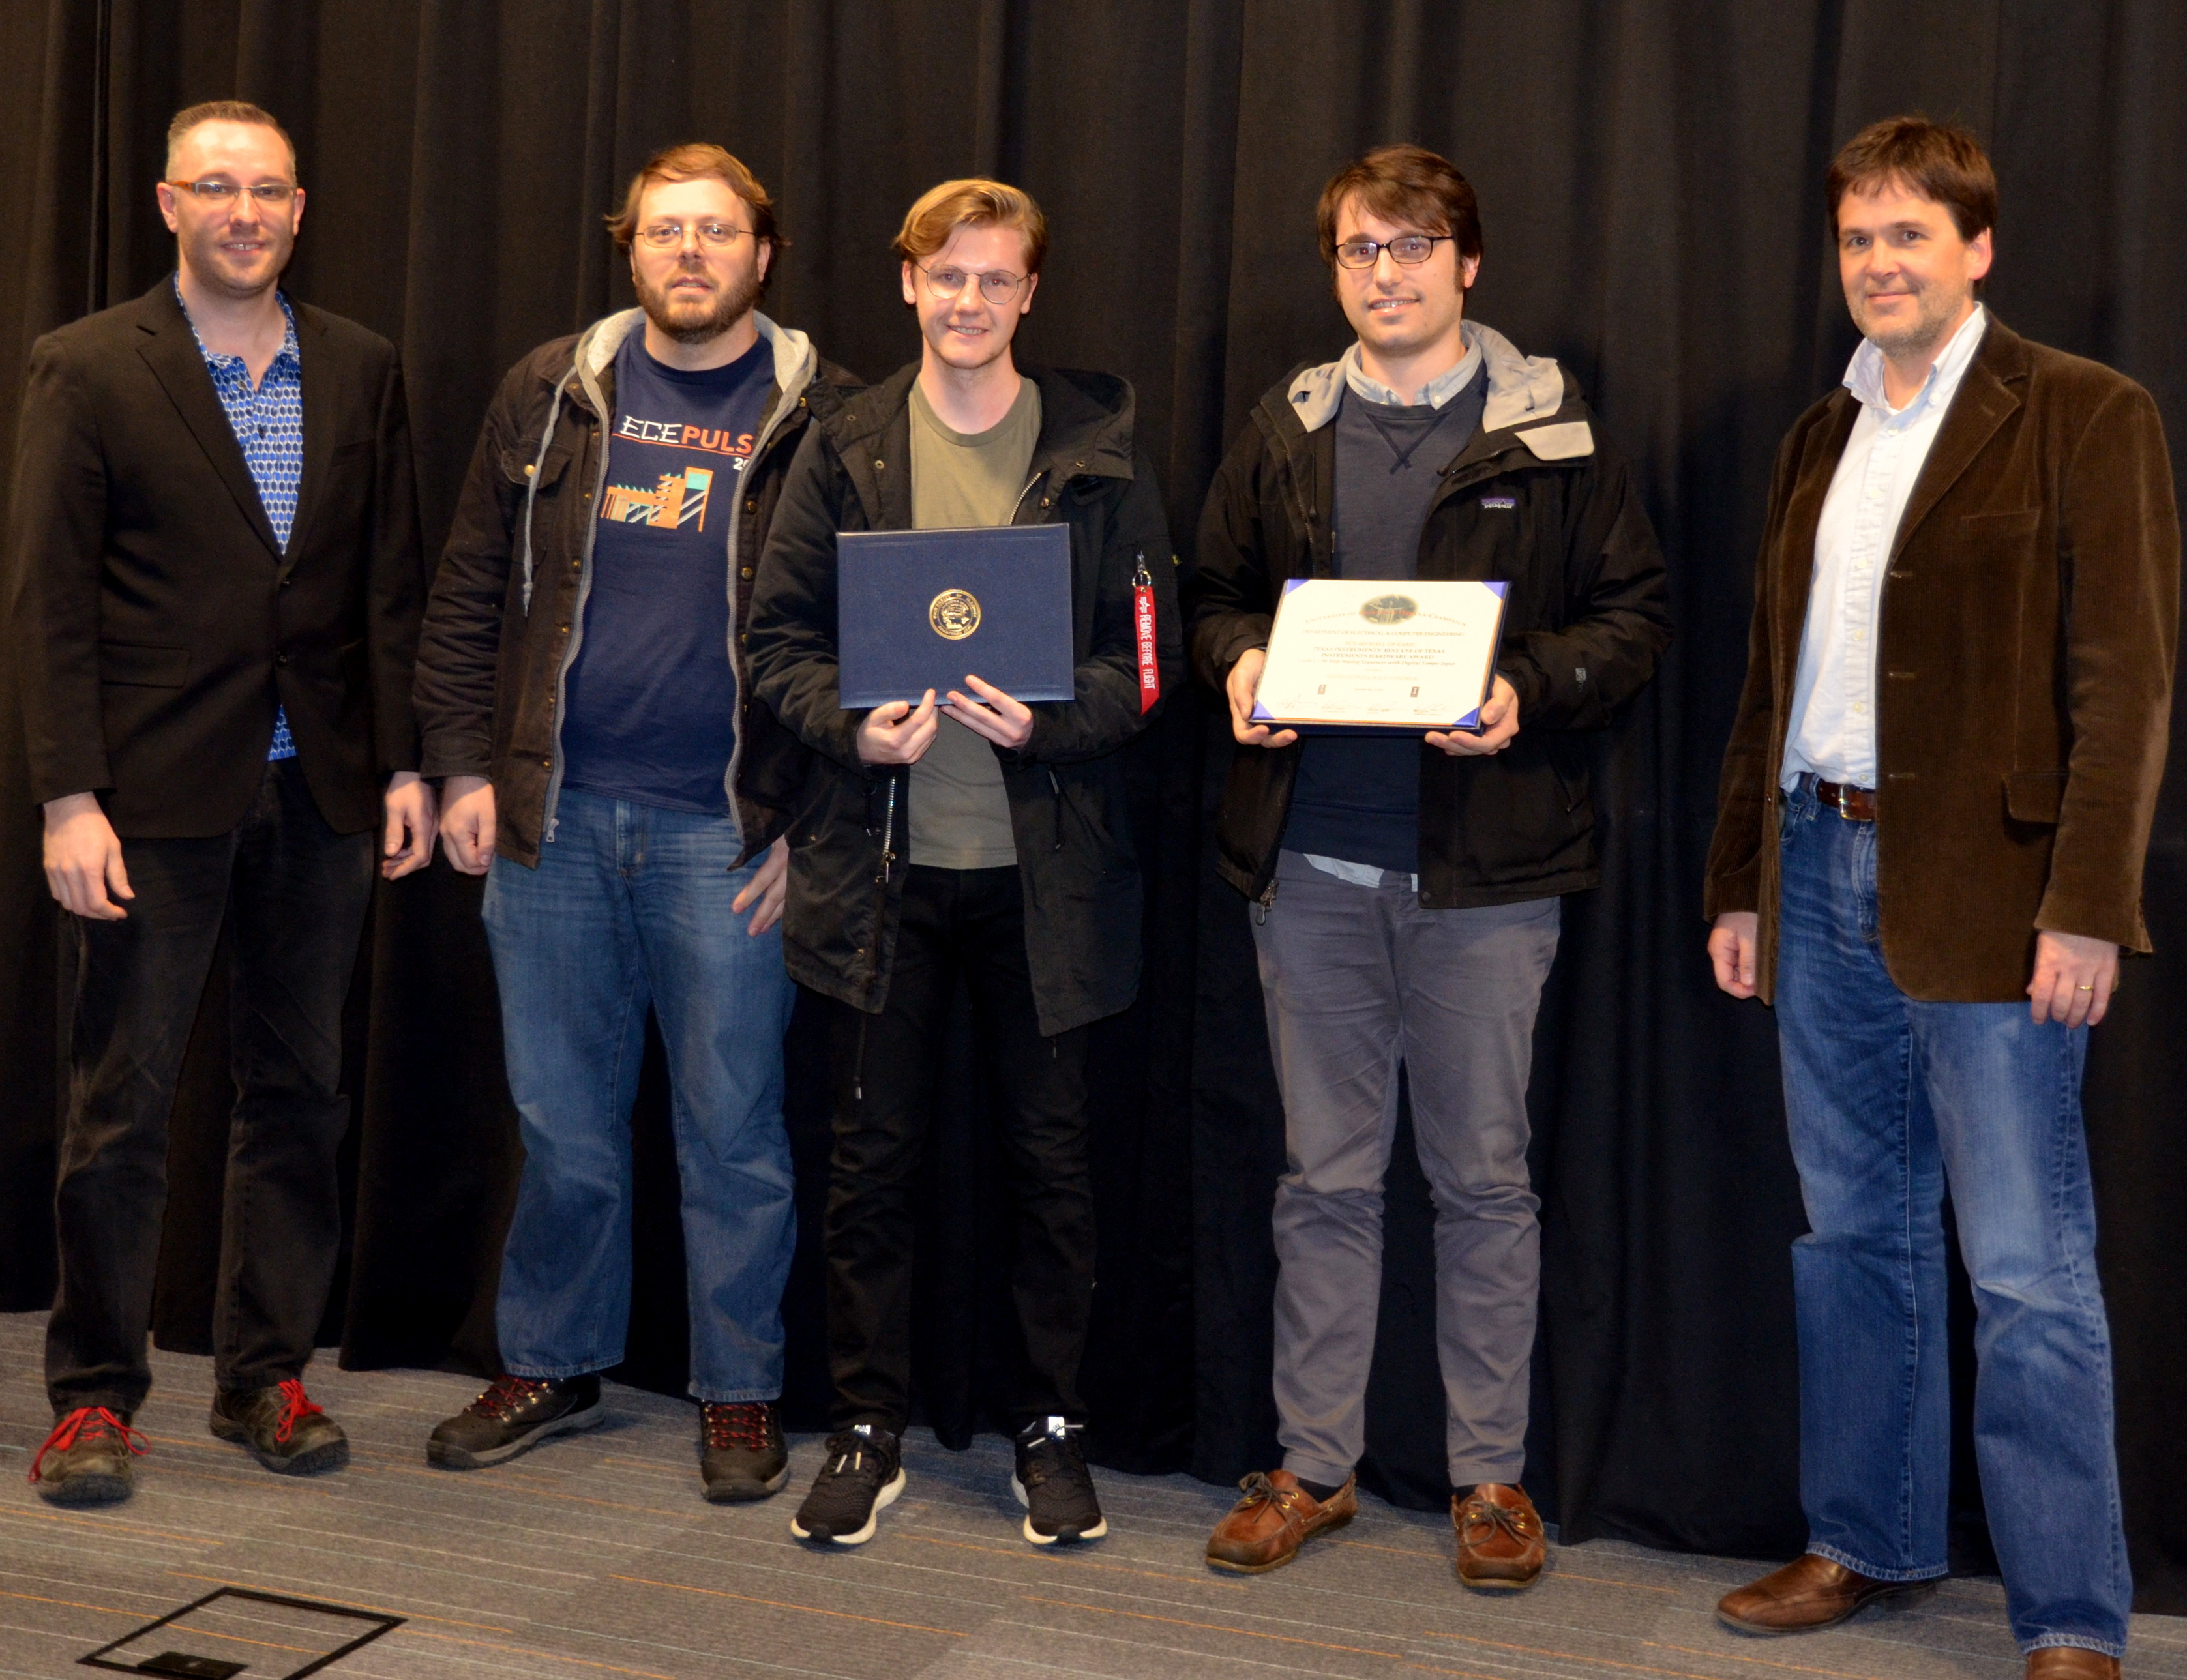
<point x="2024" y="664"/>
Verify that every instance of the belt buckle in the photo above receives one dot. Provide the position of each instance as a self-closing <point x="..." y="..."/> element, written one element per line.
<point x="1845" y="814"/>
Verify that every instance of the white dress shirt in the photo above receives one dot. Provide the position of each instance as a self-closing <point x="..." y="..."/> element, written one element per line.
<point x="1833" y="731"/>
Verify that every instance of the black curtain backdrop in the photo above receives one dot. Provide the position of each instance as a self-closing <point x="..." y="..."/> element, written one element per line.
<point x="1650" y="173"/>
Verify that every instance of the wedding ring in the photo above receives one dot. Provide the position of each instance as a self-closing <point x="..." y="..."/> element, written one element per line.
<point x="2084" y="988"/>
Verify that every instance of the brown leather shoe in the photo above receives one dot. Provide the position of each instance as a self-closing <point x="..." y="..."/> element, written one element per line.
<point x="1276" y="1517"/>
<point x="1501" y="1547"/>
<point x="2071" y="1662"/>
<point x="1811" y="1592"/>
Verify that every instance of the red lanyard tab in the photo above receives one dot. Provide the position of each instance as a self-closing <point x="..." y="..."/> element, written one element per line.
<point x="1143" y="623"/>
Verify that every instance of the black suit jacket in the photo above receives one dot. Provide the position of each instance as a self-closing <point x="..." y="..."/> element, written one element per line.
<point x="152" y="618"/>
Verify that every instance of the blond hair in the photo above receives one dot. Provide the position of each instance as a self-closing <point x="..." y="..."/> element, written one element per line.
<point x="972" y="202"/>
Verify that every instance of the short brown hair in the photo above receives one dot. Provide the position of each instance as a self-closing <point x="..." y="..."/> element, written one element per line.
<point x="1410" y="185"/>
<point x="1942" y="162"/>
<point x="697" y="160"/>
<point x="976" y="202"/>
<point x="223" y="110"/>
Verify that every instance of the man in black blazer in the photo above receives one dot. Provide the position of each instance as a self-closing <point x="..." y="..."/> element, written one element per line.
<point x="213" y="591"/>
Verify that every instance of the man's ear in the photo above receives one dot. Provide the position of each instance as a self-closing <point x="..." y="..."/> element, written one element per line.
<point x="1468" y="270"/>
<point x="910" y="291"/>
<point x="1032" y="285"/>
<point x="766" y="259"/>
<point x="166" y="194"/>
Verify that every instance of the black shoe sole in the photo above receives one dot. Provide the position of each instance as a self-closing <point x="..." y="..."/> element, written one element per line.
<point x="1898" y="1598"/>
<point x="450" y="1457"/>
<point x="87" y="1489"/>
<point x="745" y="1492"/>
<point x="332" y="1456"/>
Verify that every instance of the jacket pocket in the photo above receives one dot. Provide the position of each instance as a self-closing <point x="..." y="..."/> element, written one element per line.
<point x="143" y="665"/>
<point x="2035" y="795"/>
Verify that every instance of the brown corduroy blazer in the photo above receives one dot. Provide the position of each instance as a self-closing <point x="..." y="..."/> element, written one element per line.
<point x="2030" y="616"/>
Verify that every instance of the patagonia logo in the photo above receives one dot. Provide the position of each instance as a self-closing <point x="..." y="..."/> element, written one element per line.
<point x="1499" y="501"/>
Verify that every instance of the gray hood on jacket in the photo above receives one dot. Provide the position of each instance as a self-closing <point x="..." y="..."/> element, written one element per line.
<point x="795" y="362"/>
<point x="1521" y="389"/>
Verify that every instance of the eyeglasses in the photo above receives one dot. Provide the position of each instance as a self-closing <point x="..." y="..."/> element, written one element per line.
<point x="669" y="235"/>
<point x="271" y="194"/>
<point x="1411" y="250"/>
<point x="996" y="285"/>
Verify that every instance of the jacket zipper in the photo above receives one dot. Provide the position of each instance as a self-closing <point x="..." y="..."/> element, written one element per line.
<point x="766" y="434"/>
<point x="548" y="817"/>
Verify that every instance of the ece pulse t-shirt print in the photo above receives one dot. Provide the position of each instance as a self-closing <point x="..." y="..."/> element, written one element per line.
<point x="652" y="699"/>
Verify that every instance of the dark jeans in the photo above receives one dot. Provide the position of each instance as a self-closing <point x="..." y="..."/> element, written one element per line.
<point x="293" y="893"/>
<point x="969" y="923"/>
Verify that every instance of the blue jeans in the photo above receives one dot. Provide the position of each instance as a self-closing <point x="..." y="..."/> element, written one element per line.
<point x="1891" y="1104"/>
<point x="630" y="906"/>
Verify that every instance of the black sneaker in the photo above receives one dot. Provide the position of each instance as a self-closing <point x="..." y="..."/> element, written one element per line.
<point x="512" y="1417"/>
<point x="741" y="1452"/>
<point x="864" y="1471"/>
<point x="85" y="1460"/>
<point x="281" y="1427"/>
<point x="1052" y="1483"/>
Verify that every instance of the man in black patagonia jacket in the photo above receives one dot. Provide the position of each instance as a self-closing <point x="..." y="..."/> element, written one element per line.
<point x="992" y="844"/>
<point x="1406" y="888"/>
<point x="581" y="688"/>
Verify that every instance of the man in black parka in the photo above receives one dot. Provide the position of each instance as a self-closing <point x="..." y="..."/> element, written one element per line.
<point x="989" y="843"/>
<point x="1406" y="889"/>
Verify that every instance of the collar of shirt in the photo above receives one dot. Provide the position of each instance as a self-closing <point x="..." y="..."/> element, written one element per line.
<point x="1863" y="375"/>
<point x="289" y="358"/>
<point x="1440" y="389"/>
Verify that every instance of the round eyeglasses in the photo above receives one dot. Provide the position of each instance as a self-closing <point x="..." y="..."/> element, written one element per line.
<point x="669" y="235"/>
<point x="1410" y="250"/>
<point x="996" y="285"/>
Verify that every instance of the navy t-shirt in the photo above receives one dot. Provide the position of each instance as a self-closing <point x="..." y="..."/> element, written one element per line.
<point x="652" y="701"/>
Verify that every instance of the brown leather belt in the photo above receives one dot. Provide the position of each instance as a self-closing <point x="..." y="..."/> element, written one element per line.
<point x="1855" y="805"/>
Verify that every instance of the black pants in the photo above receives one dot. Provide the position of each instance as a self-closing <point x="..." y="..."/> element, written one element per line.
<point x="969" y="923"/>
<point x="293" y="893"/>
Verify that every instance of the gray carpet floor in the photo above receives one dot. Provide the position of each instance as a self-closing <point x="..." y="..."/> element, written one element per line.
<point x="594" y="1557"/>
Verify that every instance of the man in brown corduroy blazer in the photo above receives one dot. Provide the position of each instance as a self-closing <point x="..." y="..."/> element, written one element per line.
<point x="1928" y="855"/>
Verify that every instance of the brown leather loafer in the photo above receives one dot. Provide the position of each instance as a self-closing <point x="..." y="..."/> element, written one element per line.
<point x="1811" y="1592"/>
<point x="1276" y="1517"/>
<point x="2071" y="1662"/>
<point x="1501" y="1547"/>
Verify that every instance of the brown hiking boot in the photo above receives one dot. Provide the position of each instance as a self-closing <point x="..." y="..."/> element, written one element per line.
<point x="282" y="1427"/>
<point x="1276" y="1517"/>
<point x="1501" y="1547"/>
<point x="85" y="1460"/>
<point x="2071" y="1662"/>
<point x="1811" y="1592"/>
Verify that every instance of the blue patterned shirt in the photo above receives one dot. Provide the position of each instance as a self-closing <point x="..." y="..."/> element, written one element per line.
<point x="268" y="421"/>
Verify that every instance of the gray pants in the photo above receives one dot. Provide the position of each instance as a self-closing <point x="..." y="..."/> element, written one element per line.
<point x="1359" y="979"/>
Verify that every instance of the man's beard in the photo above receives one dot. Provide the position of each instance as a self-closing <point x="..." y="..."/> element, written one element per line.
<point x="731" y="304"/>
<point x="1932" y="315"/>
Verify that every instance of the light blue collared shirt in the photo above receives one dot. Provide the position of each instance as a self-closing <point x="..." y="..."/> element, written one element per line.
<point x="1833" y="731"/>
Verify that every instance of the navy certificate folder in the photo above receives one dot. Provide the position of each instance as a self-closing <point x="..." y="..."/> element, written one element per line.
<point x="920" y="609"/>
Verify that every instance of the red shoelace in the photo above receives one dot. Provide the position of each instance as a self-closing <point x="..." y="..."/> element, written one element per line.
<point x="507" y="1394"/>
<point x="299" y="1407"/>
<point x="87" y="1423"/>
<point x="737" y="1423"/>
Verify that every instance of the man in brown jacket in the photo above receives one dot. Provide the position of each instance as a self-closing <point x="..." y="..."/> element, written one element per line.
<point x="1928" y="855"/>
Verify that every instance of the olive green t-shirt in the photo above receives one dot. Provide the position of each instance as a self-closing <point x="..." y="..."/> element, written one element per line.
<point x="961" y="817"/>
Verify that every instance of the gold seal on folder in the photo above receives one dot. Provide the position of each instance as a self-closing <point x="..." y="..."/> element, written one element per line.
<point x="954" y="614"/>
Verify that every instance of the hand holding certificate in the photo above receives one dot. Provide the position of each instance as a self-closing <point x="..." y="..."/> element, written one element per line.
<point x="1350" y="655"/>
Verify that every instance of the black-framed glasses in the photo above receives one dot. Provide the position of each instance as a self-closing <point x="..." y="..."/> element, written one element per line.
<point x="209" y="189"/>
<point x="669" y="235"/>
<point x="1410" y="250"/>
<point x="996" y="285"/>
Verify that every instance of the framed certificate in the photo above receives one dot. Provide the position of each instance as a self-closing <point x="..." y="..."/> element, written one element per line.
<point x="920" y="609"/>
<point x="1357" y="654"/>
